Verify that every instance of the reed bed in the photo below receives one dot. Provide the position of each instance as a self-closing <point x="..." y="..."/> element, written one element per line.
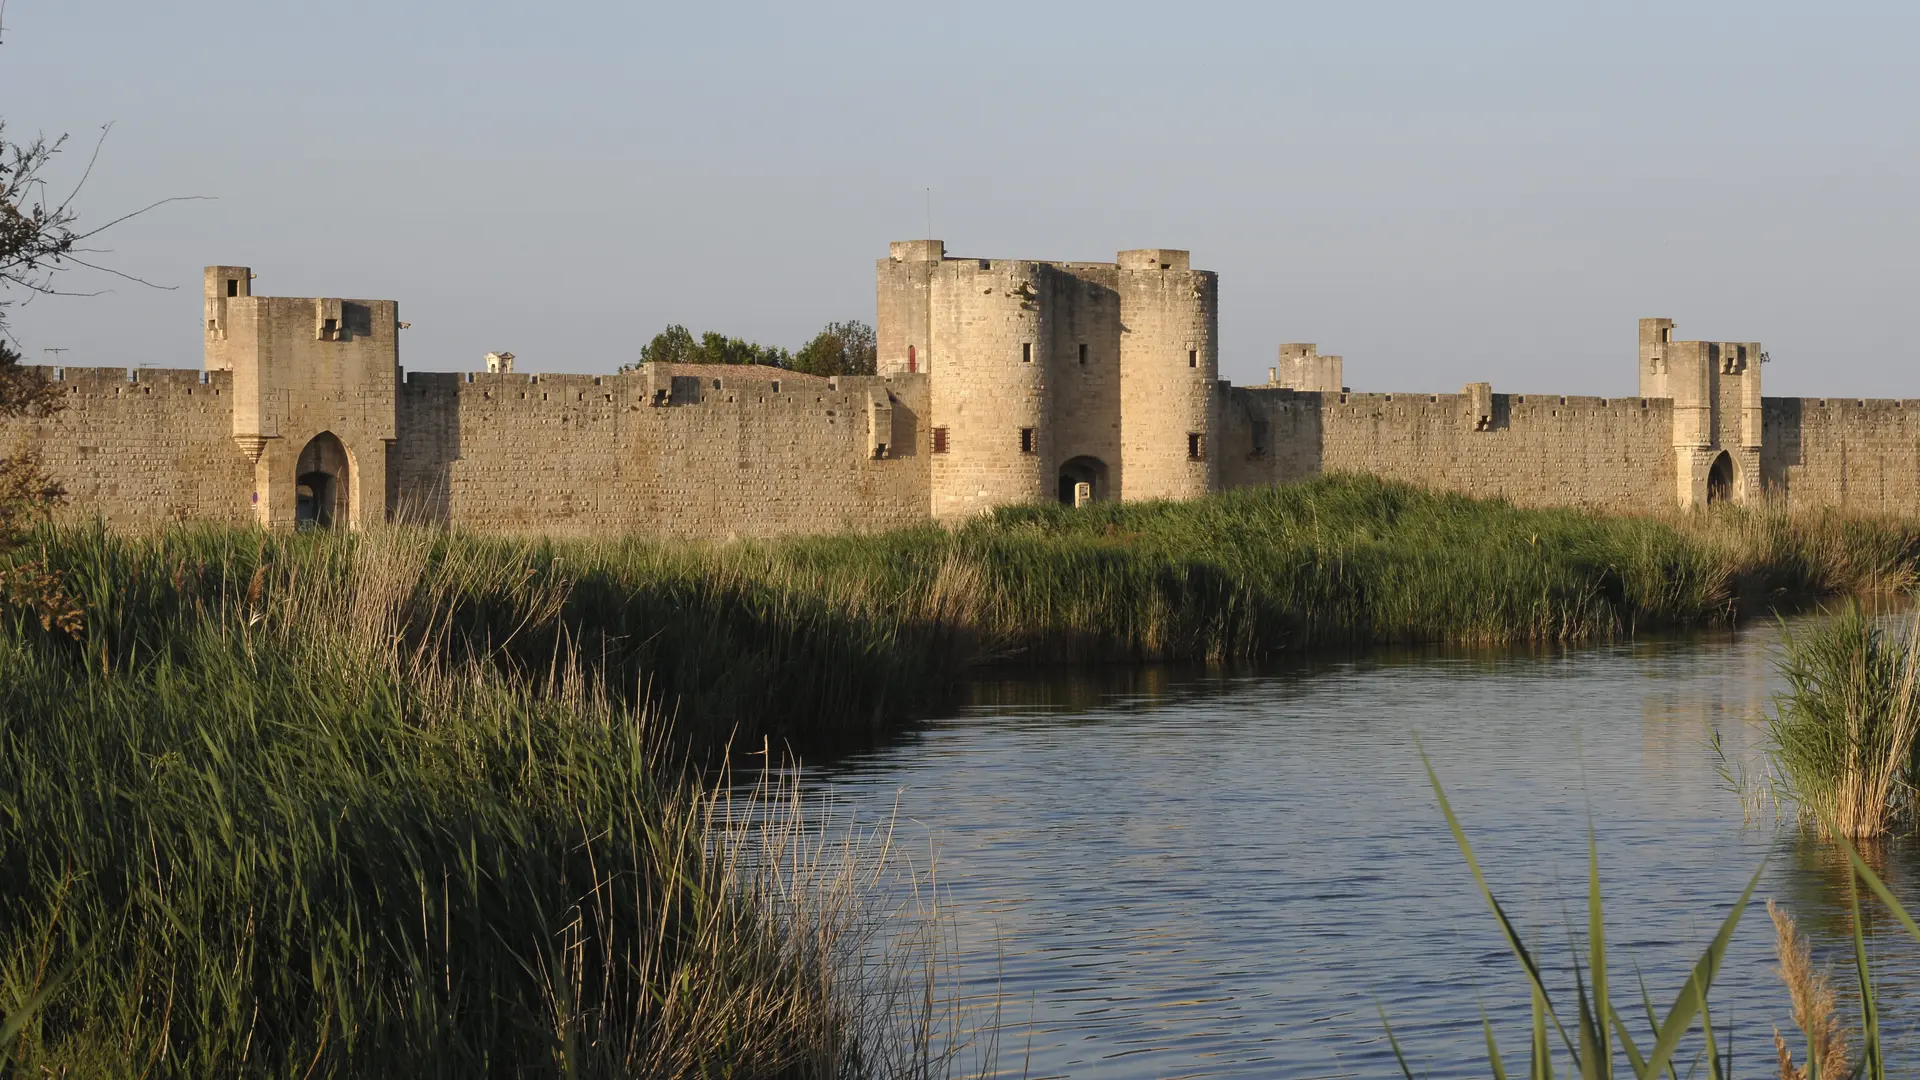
<point x="821" y="640"/>
<point x="410" y="802"/>
<point x="299" y="825"/>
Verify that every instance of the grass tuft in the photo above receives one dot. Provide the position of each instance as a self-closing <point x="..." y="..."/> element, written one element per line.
<point x="1842" y="736"/>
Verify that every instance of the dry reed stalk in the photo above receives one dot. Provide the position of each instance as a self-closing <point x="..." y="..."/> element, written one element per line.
<point x="958" y="593"/>
<point x="1871" y="794"/>
<point x="1814" y="1009"/>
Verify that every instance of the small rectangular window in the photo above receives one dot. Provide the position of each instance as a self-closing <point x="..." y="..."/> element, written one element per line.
<point x="1193" y="357"/>
<point x="939" y="440"/>
<point x="1026" y="440"/>
<point x="330" y="329"/>
<point x="1083" y="352"/>
<point x="1026" y="352"/>
<point x="1196" y="446"/>
<point x="233" y="287"/>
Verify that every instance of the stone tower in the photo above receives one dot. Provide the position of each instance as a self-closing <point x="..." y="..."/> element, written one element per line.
<point x="1169" y="372"/>
<point x="1047" y="375"/>
<point x="990" y="354"/>
<point x="313" y="398"/>
<point x="1715" y="389"/>
<point x="1302" y="367"/>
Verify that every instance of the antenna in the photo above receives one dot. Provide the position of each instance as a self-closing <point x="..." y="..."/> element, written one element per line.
<point x="929" y="233"/>
<point x="55" y="351"/>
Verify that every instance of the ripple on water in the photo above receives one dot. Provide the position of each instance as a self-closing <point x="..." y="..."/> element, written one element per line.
<point x="1188" y="874"/>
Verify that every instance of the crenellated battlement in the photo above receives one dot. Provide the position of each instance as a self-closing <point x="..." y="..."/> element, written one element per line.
<point x="999" y="381"/>
<point x="118" y="381"/>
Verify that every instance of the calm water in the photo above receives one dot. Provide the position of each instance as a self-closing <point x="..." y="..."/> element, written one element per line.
<point x="1166" y="874"/>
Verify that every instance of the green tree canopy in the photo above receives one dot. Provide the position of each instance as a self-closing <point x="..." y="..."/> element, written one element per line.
<point x="677" y="345"/>
<point x="841" y="348"/>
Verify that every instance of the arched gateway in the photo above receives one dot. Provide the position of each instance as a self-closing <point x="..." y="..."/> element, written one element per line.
<point x="1720" y="479"/>
<point x="1083" y="470"/>
<point x="321" y="482"/>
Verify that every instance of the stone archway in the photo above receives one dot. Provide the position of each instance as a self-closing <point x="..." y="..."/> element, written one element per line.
<point x="1083" y="470"/>
<point x="321" y="479"/>
<point x="1720" y="479"/>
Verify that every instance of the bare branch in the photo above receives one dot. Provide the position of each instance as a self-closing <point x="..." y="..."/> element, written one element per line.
<point x="97" y="230"/>
<point x="105" y="130"/>
<point x="115" y="273"/>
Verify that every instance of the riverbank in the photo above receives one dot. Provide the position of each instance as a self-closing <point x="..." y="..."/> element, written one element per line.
<point x="291" y="829"/>
<point x="406" y="799"/>
<point x="825" y="639"/>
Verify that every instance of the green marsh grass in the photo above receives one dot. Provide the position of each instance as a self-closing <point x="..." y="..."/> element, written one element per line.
<point x="1842" y="735"/>
<point x="288" y="828"/>
<point x="823" y="639"/>
<point x="408" y="802"/>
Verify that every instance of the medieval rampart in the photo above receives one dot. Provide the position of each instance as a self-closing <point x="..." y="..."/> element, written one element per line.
<point x="1856" y="454"/>
<point x="143" y="446"/>
<point x="1533" y="449"/>
<point x="680" y="451"/>
<point x="1001" y="382"/>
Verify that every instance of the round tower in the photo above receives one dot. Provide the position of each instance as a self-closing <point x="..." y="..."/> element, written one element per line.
<point x="1169" y="370"/>
<point x="991" y="332"/>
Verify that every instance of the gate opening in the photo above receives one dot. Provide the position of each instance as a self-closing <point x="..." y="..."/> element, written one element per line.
<point x="320" y="484"/>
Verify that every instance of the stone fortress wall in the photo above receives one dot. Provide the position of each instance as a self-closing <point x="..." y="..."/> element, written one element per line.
<point x="685" y="451"/>
<point x="999" y="382"/>
<point x="140" y="447"/>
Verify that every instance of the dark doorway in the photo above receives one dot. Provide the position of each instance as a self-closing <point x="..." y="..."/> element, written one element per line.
<point x="320" y="484"/>
<point x="1720" y="479"/>
<point x="1083" y="470"/>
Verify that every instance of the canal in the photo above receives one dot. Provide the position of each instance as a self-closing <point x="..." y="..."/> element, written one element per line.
<point x="1161" y="873"/>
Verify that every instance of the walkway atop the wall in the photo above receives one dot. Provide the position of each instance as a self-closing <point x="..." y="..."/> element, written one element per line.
<point x="736" y="371"/>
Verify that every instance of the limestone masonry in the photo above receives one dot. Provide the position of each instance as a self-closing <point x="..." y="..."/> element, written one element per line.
<point x="999" y="381"/>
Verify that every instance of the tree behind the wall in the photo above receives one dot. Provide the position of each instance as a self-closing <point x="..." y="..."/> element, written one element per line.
<point x="842" y="348"/>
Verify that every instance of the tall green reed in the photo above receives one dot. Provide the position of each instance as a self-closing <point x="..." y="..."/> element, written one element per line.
<point x="1842" y="735"/>
<point x="307" y="831"/>
<point x="1592" y="1038"/>
<point x="1591" y="1033"/>
<point x="823" y="639"/>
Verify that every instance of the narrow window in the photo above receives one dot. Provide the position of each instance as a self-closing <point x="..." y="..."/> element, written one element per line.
<point x="1026" y="440"/>
<point x="1026" y="352"/>
<point x="330" y="330"/>
<point x="913" y="360"/>
<point x="233" y="287"/>
<point x="1083" y="353"/>
<point x="1196" y="446"/>
<point x="939" y="440"/>
<point x="1193" y="357"/>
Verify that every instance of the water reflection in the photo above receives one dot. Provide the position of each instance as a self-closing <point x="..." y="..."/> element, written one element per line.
<point x="1185" y="872"/>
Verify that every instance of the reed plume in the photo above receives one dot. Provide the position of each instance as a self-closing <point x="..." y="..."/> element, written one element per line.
<point x="1815" y="1011"/>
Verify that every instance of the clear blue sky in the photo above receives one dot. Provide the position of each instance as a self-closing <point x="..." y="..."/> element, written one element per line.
<point x="1442" y="193"/>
